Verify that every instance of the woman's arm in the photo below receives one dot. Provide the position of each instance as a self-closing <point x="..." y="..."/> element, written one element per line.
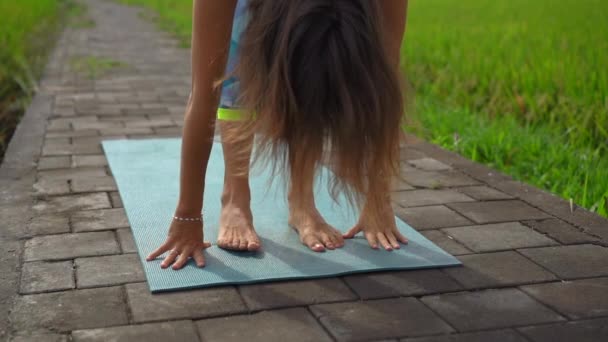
<point x="211" y="29"/>
<point x="394" y="17"/>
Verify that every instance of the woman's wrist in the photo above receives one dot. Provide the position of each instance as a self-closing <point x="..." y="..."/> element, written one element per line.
<point x="184" y="210"/>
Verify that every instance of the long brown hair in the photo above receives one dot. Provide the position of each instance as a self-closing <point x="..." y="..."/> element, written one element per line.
<point x="318" y="82"/>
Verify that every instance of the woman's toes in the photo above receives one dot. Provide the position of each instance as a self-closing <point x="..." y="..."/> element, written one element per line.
<point x="313" y="243"/>
<point x="327" y="241"/>
<point x="253" y="246"/>
<point x="243" y="245"/>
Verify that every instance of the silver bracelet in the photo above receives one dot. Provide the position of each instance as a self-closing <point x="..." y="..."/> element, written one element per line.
<point x="189" y="218"/>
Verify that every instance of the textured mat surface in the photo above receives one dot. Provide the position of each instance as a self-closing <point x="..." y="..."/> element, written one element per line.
<point x="147" y="174"/>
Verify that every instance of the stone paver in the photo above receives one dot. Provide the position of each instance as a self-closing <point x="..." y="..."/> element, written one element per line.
<point x="417" y="198"/>
<point x="498" y="236"/>
<point x="561" y="231"/>
<point x="498" y="211"/>
<point x="429" y="164"/>
<point x="578" y="299"/>
<point x="483" y="193"/>
<point x="72" y="173"/>
<point x="146" y="306"/>
<point x="47" y="186"/>
<point x="505" y="335"/>
<point x="294" y="325"/>
<point x="47" y="163"/>
<point x="69" y="246"/>
<point x="94" y="184"/>
<point x="125" y="238"/>
<point x="378" y="319"/>
<point x="446" y="242"/>
<point x="48" y="224"/>
<point x="571" y="262"/>
<point x="108" y="270"/>
<point x="89" y="160"/>
<point x="91" y="220"/>
<point x="166" y="331"/>
<point x="70" y="310"/>
<point x="595" y="330"/>
<point x="431" y="217"/>
<point x="38" y="337"/>
<point x="490" y="309"/>
<point x="404" y="283"/>
<point x="497" y="269"/>
<point x="437" y="179"/>
<point x="295" y="293"/>
<point x="97" y="200"/>
<point x="43" y="276"/>
<point x="116" y="200"/>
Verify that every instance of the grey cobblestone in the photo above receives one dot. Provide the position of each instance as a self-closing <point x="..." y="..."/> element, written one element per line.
<point x="108" y="270"/>
<point x="125" y="238"/>
<point x="378" y="319"/>
<point x="429" y="164"/>
<point x="497" y="308"/>
<point x="582" y="331"/>
<point x="295" y="293"/>
<point x="93" y="184"/>
<point x="404" y="283"/>
<point x="483" y="193"/>
<point x="69" y="310"/>
<point x="571" y="262"/>
<point x="431" y="217"/>
<point x="48" y="224"/>
<point x="69" y="246"/>
<point x="498" y="211"/>
<point x="47" y="163"/>
<point x="497" y="269"/>
<point x="183" y="331"/>
<point x="91" y="220"/>
<point x="498" y="236"/>
<point x="146" y="306"/>
<point x="561" y="231"/>
<point x="89" y="201"/>
<point x="417" y="198"/>
<point x="45" y="187"/>
<point x="578" y="299"/>
<point x="40" y="337"/>
<point x="46" y="276"/>
<point x="503" y="335"/>
<point x="295" y="325"/>
<point x="446" y="242"/>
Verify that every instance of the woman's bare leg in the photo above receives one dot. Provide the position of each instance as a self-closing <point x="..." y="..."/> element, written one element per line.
<point x="236" y="222"/>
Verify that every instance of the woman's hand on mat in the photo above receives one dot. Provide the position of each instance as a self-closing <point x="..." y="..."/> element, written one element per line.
<point x="185" y="240"/>
<point x="384" y="232"/>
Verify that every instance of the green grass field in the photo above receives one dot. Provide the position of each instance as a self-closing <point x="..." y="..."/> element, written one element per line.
<point x="521" y="86"/>
<point x="25" y="36"/>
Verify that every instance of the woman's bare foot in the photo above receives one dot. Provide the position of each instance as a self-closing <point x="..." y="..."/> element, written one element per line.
<point x="313" y="230"/>
<point x="236" y="222"/>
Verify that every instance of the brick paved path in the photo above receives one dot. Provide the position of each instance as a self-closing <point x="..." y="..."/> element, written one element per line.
<point x="533" y="270"/>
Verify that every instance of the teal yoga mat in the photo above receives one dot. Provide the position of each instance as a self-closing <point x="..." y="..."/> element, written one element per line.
<point x="147" y="174"/>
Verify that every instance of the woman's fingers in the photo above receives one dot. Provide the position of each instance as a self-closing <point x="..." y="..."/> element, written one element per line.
<point x="160" y="250"/>
<point x="384" y="242"/>
<point x="393" y="240"/>
<point x="199" y="258"/>
<point x="400" y="237"/>
<point x="183" y="258"/>
<point x="352" y="232"/>
<point x="169" y="258"/>
<point x="371" y="239"/>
